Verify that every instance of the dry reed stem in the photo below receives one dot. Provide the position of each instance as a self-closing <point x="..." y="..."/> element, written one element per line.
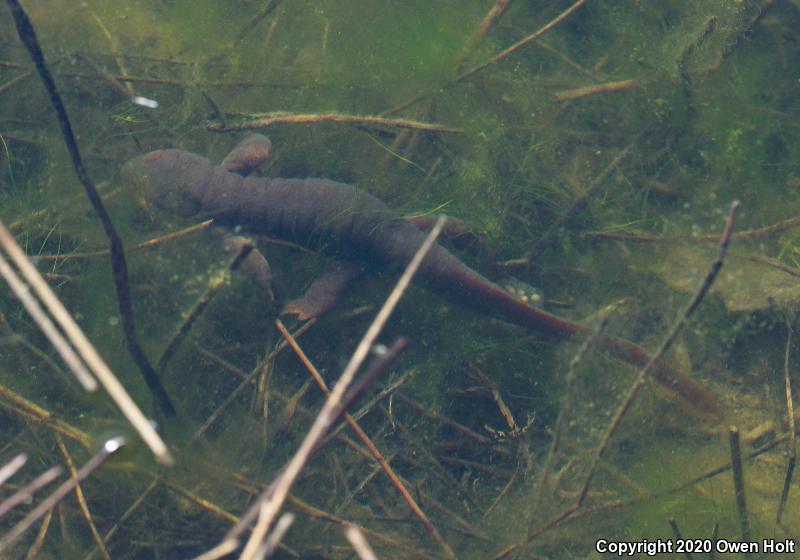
<point x="317" y="513"/>
<point x="276" y="494"/>
<point x="596" y="89"/>
<point x="60" y="493"/>
<point x="787" y="384"/>
<point x="270" y="544"/>
<point x="85" y="348"/>
<point x="359" y="543"/>
<point x="84" y="507"/>
<point x="256" y="121"/>
<point x="365" y="439"/>
<point x="675" y="329"/>
<point x="18" y="287"/>
<point x="26" y="492"/>
<point x="738" y="483"/>
<point x="11" y="468"/>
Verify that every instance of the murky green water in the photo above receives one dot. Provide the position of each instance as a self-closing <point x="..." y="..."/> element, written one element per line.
<point x="597" y="162"/>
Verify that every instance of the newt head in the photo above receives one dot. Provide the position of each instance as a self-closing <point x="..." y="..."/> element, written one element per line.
<point x="168" y="179"/>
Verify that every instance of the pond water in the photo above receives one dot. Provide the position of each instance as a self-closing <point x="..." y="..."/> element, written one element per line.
<point x="587" y="152"/>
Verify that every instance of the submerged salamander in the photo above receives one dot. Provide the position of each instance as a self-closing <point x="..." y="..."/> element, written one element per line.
<point x="358" y="228"/>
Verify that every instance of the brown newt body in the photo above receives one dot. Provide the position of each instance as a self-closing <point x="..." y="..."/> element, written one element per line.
<point x="352" y="224"/>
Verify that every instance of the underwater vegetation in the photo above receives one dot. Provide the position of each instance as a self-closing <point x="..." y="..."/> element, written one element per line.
<point x="589" y="154"/>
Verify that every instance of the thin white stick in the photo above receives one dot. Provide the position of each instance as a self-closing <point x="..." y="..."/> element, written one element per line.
<point x="85" y="348"/>
<point x="11" y="468"/>
<point x="359" y="543"/>
<point x="274" y="539"/>
<point x="39" y="316"/>
<point x="59" y="494"/>
<point x="271" y="502"/>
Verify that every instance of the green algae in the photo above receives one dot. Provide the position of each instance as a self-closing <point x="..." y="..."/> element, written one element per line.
<point x="710" y="118"/>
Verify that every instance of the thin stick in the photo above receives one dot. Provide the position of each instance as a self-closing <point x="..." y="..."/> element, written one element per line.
<point x="521" y="43"/>
<point x="367" y="379"/>
<point x="271" y="543"/>
<point x="214" y="285"/>
<point x="84" y="507"/>
<point x="787" y="383"/>
<point x="365" y="439"/>
<point x="27" y="35"/>
<point x="564" y="410"/>
<point x="738" y="483"/>
<point x="30" y="410"/>
<point x="359" y="543"/>
<point x="60" y="493"/>
<point x="257" y="121"/>
<point x="765" y="231"/>
<point x="676" y="532"/>
<point x="665" y="345"/>
<point x="20" y="289"/>
<point x="608" y="87"/>
<point x="276" y="494"/>
<point x="11" y="468"/>
<point x="26" y="492"/>
<point x="488" y="21"/>
<point x="265" y="10"/>
<point x="38" y="543"/>
<point x="90" y="356"/>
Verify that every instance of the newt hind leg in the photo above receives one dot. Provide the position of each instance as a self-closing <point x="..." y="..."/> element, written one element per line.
<point x="324" y="292"/>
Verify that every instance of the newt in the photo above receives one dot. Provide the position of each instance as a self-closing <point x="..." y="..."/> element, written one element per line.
<point x="360" y="231"/>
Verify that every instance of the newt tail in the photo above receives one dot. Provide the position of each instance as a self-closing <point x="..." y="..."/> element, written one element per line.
<point x="354" y="225"/>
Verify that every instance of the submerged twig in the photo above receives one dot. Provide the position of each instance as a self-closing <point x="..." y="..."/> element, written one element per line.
<point x="564" y="410"/>
<point x="522" y="42"/>
<point x="738" y="483"/>
<point x="359" y="543"/>
<point x="10" y="469"/>
<point x="276" y="494"/>
<point x="494" y="13"/>
<point x="26" y="492"/>
<point x="214" y="286"/>
<point x="265" y="10"/>
<point x="663" y="347"/>
<point x="40" y="317"/>
<point x="27" y="34"/>
<point x="787" y="384"/>
<point x="91" y="358"/>
<point x="587" y="91"/>
<point x="365" y="439"/>
<point x="84" y="507"/>
<point x="110" y="447"/>
<point x="255" y="121"/>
